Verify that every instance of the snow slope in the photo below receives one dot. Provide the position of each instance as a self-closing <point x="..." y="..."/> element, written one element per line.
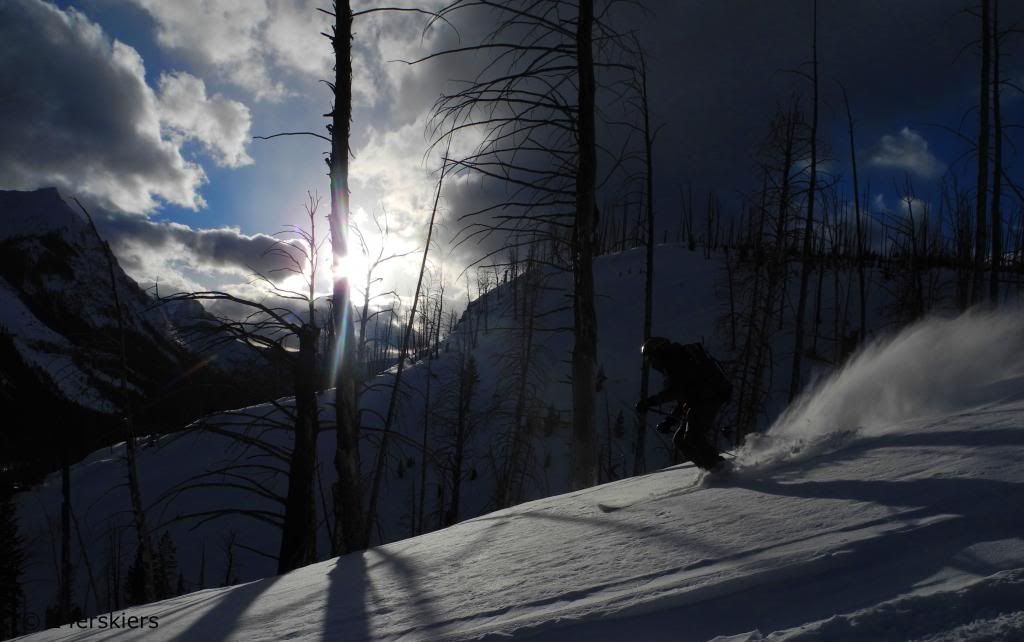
<point x="885" y="506"/>
<point x="487" y="331"/>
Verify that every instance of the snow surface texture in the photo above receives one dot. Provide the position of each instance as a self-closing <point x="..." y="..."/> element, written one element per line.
<point x="906" y="527"/>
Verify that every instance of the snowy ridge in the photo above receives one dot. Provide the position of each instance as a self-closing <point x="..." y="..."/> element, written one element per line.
<point x="57" y="302"/>
<point x="898" y="531"/>
<point x="47" y="351"/>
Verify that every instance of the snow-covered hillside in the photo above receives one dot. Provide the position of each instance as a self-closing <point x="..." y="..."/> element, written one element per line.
<point x="885" y="506"/>
<point x="488" y="332"/>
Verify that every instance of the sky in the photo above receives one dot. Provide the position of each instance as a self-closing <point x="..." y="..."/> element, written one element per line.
<point x="147" y="110"/>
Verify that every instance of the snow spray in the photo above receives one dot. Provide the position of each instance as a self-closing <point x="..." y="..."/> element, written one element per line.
<point x="937" y="366"/>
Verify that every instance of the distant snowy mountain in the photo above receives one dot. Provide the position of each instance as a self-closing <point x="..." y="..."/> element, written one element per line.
<point x="57" y="300"/>
<point x="60" y="342"/>
<point x="883" y="506"/>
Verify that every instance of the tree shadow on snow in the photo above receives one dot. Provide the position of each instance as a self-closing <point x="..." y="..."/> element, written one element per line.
<point x="350" y="594"/>
<point x="219" y="622"/>
<point x="353" y="601"/>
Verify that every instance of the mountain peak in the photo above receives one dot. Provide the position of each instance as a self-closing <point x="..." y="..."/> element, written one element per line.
<point x="36" y="212"/>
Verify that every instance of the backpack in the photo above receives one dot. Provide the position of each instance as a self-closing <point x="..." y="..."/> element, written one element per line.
<point x="709" y="371"/>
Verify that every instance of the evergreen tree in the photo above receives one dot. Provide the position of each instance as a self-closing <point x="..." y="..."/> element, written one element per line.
<point x="166" y="578"/>
<point x="134" y="582"/>
<point x="165" y="575"/>
<point x="11" y="561"/>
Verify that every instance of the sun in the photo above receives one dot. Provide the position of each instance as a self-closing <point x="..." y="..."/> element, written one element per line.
<point x="353" y="266"/>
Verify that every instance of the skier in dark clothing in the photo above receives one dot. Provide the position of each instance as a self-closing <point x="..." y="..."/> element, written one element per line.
<point x="696" y="383"/>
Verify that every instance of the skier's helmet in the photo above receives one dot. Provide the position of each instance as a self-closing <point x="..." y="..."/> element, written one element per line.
<point x="654" y="346"/>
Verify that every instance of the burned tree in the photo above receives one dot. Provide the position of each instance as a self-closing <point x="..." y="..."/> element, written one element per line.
<point x="533" y="106"/>
<point x="981" y="195"/>
<point x="812" y="197"/>
<point x="766" y="278"/>
<point x="290" y="338"/>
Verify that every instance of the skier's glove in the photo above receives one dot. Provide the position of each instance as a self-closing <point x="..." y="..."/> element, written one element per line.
<point x="666" y="426"/>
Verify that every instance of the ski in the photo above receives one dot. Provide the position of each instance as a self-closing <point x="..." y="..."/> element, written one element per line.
<point x="705" y="479"/>
<point x="611" y="507"/>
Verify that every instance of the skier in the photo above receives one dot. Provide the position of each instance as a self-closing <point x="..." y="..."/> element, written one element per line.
<point x="697" y="384"/>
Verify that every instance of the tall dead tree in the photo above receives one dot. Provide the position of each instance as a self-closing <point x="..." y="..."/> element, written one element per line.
<point x="584" y="353"/>
<point x="812" y="187"/>
<point x="299" y="531"/>
<point x="956" y="203"/>
<point x="534" y="101"/>
<point x="463" y="398"/>
<point x="781" y="150"/>
<point x="524" y="364"/>
<point x="382" y="449"/>
<point x="348" y="504"/>
<point x="997" y="162"/>
<point x="374" y="263"/>
<point x="274" y="331"/>
<point x="348" y="507"/>
<point x="862" y="288"/>
<point x="639" y="460"/>
<point x="12" y="599"/>
<point x="145" y="545"/>
<point x="981" y="197"/>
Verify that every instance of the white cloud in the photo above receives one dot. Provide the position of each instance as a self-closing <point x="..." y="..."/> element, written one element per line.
<point x="293" y="35"/>
<point x="907" y="151"/>
<point x="221" y="124"/>
<point x="265" y="46"/>
<point x="77" y="114"/>
<point x="246" y="42"/>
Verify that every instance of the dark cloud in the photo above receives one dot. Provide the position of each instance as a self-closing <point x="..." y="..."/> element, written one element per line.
<point x="76" y="113"/>
<point x="140" y="242"/>
<point x="719" y="68"/>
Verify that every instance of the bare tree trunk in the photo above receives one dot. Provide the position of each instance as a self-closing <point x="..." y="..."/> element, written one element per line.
<point x="584" y="355"/>
<point x="917" y="286"/>
<point x="298" y="534"/>
<point x="839" y="312"/>
<point x="379" y="469"/>
<point x="997" y="168"/>
<point x="640" y="456"/>
<point x="134" y="492"/>
<point x="440" y="314"/>
<point x="348" y="505"/>
<point x="980" y="238"/>
<point x="805" y="268"/>
<point x="782" y="243"/>
<point x="467" y="382"/>
<point x="423" y="451"/>
<point x="749" y="384"/>
<point x="515" y="462"/>
<point x="820" y="260"/>
<point x="64" y="599"/>
<point x="85" y="558"/>
<point x="857" y="214"/>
